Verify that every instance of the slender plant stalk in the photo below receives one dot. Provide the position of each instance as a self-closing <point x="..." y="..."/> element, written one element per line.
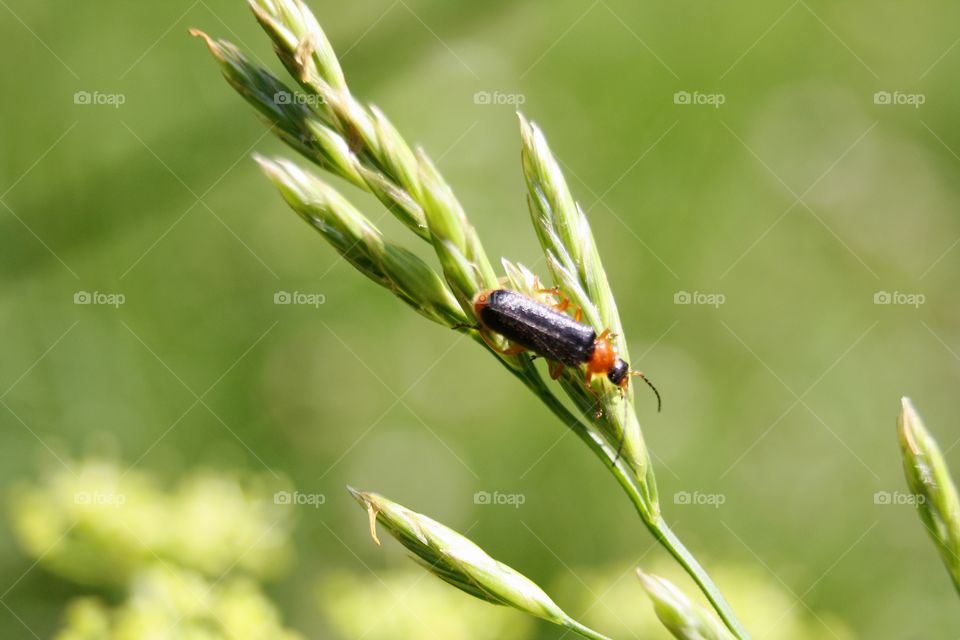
<point x="585" y="631"/>
<point x="329" y="127"/>
<point x="690" y="564"/>
<point x="656" y="525"/>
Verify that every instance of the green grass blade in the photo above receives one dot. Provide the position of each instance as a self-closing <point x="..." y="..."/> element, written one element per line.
<point x="929" y="479"/>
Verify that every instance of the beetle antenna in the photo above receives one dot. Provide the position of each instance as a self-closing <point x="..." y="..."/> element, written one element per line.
<point x="639" y="374"/>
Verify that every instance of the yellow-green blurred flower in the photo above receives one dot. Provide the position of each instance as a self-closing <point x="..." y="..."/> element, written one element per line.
<point x="101" y="524"/>
<point x="167" y="603"/>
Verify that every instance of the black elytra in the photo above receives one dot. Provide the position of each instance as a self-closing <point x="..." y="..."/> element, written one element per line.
<point x="537" y="327"/>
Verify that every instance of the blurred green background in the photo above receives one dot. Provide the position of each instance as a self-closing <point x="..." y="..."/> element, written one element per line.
<point x="797" y="202"/>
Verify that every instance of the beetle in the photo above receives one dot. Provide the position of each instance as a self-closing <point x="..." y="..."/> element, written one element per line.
<point x="550" y="332"/>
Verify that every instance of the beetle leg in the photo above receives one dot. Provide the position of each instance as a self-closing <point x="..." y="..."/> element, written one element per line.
<point x="564" y="302"/>
<point x="509" y="351"/>
<point x="556" y="368"/>
<point x="554" y="291"/>
<point x="596" y="396"/>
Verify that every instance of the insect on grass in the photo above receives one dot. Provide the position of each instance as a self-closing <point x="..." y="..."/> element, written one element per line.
<point x="550" y="332"/>
<point x="404" y="179"/>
